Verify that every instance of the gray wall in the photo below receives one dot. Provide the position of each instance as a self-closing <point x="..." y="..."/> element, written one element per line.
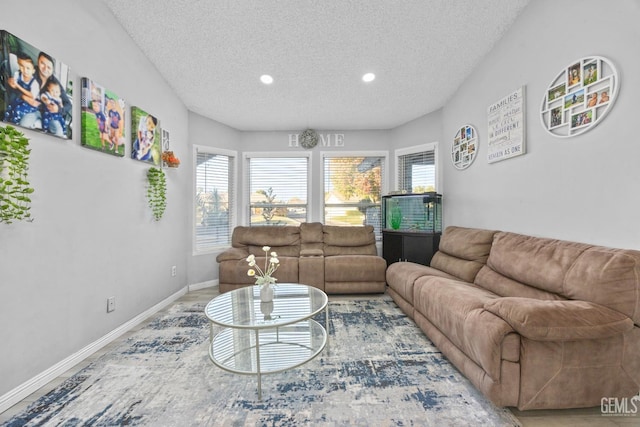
<point x="581" y="188"/>
<point x="203" y="268"/>
<point x="93" y="236"/>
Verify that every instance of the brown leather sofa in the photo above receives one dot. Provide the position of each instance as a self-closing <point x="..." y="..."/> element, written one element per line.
<point x="534" y="323"/>
<point x="338" y="260"/>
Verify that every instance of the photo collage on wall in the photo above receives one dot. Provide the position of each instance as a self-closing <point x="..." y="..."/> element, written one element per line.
<point x="36" y="91"/>
<point x="465" y="147"/>
<point x="579" y="97"/>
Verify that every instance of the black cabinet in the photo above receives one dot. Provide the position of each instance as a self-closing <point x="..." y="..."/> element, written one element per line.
<point x="409" y="246"/>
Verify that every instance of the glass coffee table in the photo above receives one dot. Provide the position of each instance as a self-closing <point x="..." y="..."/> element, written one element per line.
<point x="260" y="338"/>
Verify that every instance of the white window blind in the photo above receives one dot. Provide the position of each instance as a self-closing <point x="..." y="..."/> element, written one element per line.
<point x="353" y="190"/>
<point x="213" y="199"/>
<point x="417" y="172"/>
<point x="278" y="190"/>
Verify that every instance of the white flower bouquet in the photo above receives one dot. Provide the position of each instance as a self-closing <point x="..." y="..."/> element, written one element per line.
<point x="271" y="264"/>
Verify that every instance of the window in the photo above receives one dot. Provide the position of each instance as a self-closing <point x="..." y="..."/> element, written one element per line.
<point x="353" y="188"/>
<point x="278" y="189"/>
<point x="214" y="190"/>
<point x="416" y="168"/>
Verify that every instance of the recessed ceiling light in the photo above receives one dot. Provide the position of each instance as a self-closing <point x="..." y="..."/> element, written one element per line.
<point x="266" y="79"/>
<point x="369" y="77"/>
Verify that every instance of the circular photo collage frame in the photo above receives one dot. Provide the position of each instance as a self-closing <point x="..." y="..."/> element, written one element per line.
<point x="579" y="97"/>
<point x="465" y="147"/>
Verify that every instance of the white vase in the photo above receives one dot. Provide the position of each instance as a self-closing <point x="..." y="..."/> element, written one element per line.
<point x="266" y="292"/>
<point x="266" y="308"/>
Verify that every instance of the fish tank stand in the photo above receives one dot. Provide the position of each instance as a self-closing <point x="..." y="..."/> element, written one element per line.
<point x="412" y="226"/>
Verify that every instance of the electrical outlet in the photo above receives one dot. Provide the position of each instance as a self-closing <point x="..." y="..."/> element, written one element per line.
<point x="174" y="271"/>
<point x="111" y="304"/>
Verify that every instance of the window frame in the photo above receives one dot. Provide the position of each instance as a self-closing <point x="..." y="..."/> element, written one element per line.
<point x="233" y="190"/>
<point x="246" y="187"/>
<point x="384" y="178"/>
<point x="416" y="149"/>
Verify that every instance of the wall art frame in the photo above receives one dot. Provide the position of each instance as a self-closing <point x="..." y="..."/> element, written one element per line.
<point x="36" y="90"/>
<point x="464" y="147"/>
<point x="146" y="144"/>
<point x="102" y="119"/>
<point x="506" y="121"/>
<point x="579" y="97"/>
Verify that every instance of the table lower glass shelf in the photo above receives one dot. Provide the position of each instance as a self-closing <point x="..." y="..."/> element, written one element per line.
<point x="264" y="351"/>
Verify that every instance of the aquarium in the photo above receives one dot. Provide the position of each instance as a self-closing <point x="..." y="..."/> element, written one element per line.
<point x="413" y="212"/>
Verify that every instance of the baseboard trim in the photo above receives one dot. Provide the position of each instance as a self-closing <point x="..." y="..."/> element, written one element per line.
<point x="203" y="285"/>
<point x="25" y="389"/>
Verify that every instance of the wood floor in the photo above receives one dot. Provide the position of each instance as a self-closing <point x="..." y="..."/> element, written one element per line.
<point x="587" y="417"/>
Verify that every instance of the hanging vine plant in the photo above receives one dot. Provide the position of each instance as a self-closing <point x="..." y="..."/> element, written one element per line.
<point x="15" y="202"/>
<point x="157" y="192"/>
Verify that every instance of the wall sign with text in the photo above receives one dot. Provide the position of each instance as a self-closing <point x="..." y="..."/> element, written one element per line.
<point x="310" y="139"/>
<point x="506" y="127"/>
<point x="579" y="97"/>
<point x="465" y="147"/>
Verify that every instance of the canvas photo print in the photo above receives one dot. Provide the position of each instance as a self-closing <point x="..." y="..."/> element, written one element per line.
<point x="102" y="120"/>
<point x="145" y="137"/>
<point x="35" y="88"/>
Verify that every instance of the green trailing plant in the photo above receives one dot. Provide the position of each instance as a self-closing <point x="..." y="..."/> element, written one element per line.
<point x="157" y="192"/>
<point x="15" y="202"/>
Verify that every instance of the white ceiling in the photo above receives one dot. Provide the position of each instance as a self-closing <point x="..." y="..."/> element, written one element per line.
<point x="213" y="52"/>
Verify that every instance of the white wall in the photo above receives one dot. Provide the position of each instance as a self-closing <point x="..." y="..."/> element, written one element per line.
<point x="581" y="188"/>
<point x="93" y="236"/>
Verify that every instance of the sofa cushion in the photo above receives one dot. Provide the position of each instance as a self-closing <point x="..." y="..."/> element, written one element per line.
<point x="311" y="236"/>
<point x="456" y="308"/>
<point x="354" y="268"/>
<point x="559" y="320"/>
<point x="311" y="232"/>
<point x="349" y="240"/>
<point x="534" y="261"/>
<point x="235" y="272"/>
<point x="577" y="271"/>
<point x="402" y="275"/>
<point x="463" y="251"/>
<point x="607" y="276"/>
<point x="233" y="254"/>
<point x="506" y="287"/>
<point x="285" y="240"/>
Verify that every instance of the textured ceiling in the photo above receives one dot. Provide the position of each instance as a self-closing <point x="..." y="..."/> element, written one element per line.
<point x="212" y="52"/>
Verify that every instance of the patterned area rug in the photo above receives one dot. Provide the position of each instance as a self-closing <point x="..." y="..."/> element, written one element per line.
<point x="381" y="370"/>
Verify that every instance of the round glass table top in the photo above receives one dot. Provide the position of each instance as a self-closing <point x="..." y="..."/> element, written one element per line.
<point x="242" y="308"/>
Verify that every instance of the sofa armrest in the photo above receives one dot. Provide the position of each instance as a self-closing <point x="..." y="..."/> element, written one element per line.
<point x="233" y="254"/>
<point x="311" y="252"/>
<point x="542" y="320"/>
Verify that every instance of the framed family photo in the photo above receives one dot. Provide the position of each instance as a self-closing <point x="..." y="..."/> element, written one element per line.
<point x="464" y="148"/>
<point x="102" y="119"/>
<point x="579" y="96"/>
<point x="146" y="144"/>
<point x="35" y="88"/>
